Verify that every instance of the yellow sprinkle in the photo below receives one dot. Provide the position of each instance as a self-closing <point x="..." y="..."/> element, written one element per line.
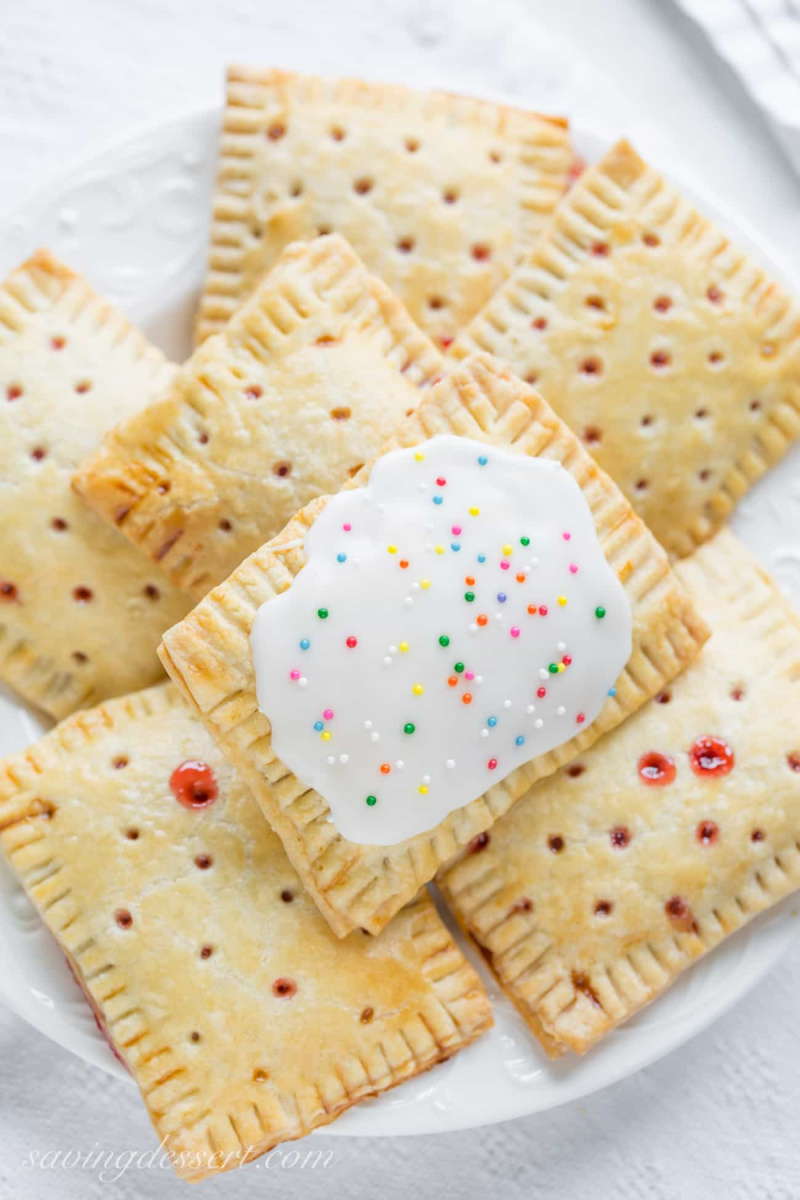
<point x="562" y="600"/>
<point x="473" y="512"/>
<point x="417" y="689"/>
<point x="561" y="668"/>
<point x="439" y="549"/>
<point x="423" y="791"/>
<point x="392" y="549"/>
<point x="508" y="550"/>
<point x="419" y="457"/>
<point x="425" y="583"/>
<point x="325" y="735"/>
<point x="404" y="646"/>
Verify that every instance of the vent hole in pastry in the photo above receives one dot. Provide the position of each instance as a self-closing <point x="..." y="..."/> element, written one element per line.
<point x="793" y="760"/>
<point x="714" y="294"/>
<point x="651" y="239"/>
<point x="83" y="386"/>
<point x="704" y="475"/>
<point x="8" y="591"/>
<point x="282" y="469"/>
<point x="575" y="770"/>
<point x="596" y="302"/>
<point x="662" y="304"/>
<point x="260" y="1075"/>
<point x="523" y="905"/>
<point x="256" y="231"/>
<point x="120" y="761"/>
<point x="539" y="323"/>
<point x="663" y="697"/>
<point x="58" y="342"/>
<point x="757" y="835"/>
<point x="194" y="1036"/>
<point x="480" y="252"/>
<point x="495" y="156"/>
<point x="641" y="485"/>
<point x="362" y="186"/>
<point x="337" y="133"/>
<point x="284" y="988"/>
<point x="82" y="594"/>
<point x="755" y="405"/>
<point x="707" y="833"/>
<point x="656" y="769"/>
<point x="123" y="918"/>
<point x="737" y="693"/>
<point x="716" y="357"/>
<point x="366" y="1015"/>
<point x="592" y="435"/>
<point x="79" y="657"/>
<point x="202" y="438"/>
<point x="555" y="843"/>
<point x="254" y="392"/>
<point x="341" y="414"/>
<point x="59" y="524"/>
<point x="13" y="391"/>
<point x="660" y="359"/>
<point x="436" y="302"/>
<point x="600" y="249"/>
<point x="405" y="245"/>
<point x="412" y="145"/>
<point x="479" y="842"/>
<point x="296" y="189"/>
<point x="603" y="908"/>
<point x="711" y="757"/>
<point x="646" y="421"/>
<point x="132" y="835"/>
<point x="701" y="414"/>
<point x="450" y="195"/>
<point x="203" y="862"/>
<point x="582" y="984"/>
<point x="287" y="896"/>
<point x="276" y="131"/>
<point x="151" y="591"/>
<point x="680" y="914"/>
<point x="225" y="525"/>
<point x="206" y="951"/>
<point x="323" y="230"/>
<point x="620" y="837"/>
<point x="38" y="453"/>
<point x="531" y="377"/>
<point x="591" y="366"/>
<point x="163" y="488"/>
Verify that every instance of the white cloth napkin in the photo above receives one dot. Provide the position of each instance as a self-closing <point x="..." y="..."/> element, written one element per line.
<point x="760" y="40"/>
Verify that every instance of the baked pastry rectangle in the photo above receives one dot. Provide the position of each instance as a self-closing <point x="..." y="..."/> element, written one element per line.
<point x="80" y="611"/>
<point x="437" y="193"/>
<point x="290" y="401"/>
<point x="243" y="1020"/>
<point x="209" y="656"/>
<point x="668" y="350"/>
<point x="605" y="883"/>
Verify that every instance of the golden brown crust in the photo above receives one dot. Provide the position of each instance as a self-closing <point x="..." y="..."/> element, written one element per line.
<point x="134" y="885"/>
<point x="667" y="349"/>
<point x="597" y="891"/>
<point x="438" y="193"/>
<point x="72" y="591"/>
<point x="208" y="655"/>
<point x="289" y="401"/>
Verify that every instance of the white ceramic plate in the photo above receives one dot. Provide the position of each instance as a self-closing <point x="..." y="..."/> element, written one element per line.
<point x="134" y="219"/>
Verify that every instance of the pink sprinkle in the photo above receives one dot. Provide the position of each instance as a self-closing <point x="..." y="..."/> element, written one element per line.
<point x="504" y="564"/>
<point x="492" y="763"/>
<point x="566" y="536"/>
<point x="543" y="610"/>
<point x="573" y="568"/>
<point x="514" y="631"/>
<point x="328" y="714"/>
<point x="294" y="674"/>
<point x="347" y="528"/>
<point x="456" y="530"/>
<point x="469" y="674"/>
<point x="580" y="718"/>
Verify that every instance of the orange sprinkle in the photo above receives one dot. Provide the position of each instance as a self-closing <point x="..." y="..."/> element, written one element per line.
<point x="520" y="579"/>
<point x="482" y="619"/>
<point x="532" y="609"/>
<point x="404" y="563"/>
<point x="466" y="698"/>
<point x="453" y="680"/>
<point x="469" y="580"/>
<point x="385" y="768"/>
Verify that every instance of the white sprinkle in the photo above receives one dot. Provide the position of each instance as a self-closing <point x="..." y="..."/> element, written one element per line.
<point x="561" y="710"/>
<point x="302" y="681"/>
<point x="451" y="762"/>
<point x="538" y="723"/>
<point x="473" y="628"/>
<point x="374" y="737"/>
<point x="530" y="709"/>
<point x="368" y="724"/>
<point x="423" y="487"/>
<point x="506" y="704"/>
<point x="479" y="679"/>
<point x="330" y="760"/>
<point x="399" y="764"/>
<point x="484" y="733"/>
<point x="562" y="645"/>
<point x="426" y="778"/>
<point x="543" y="674"/>
<point x="498" y="616"/>
<point x="393" y="649"/>
<point x="534" y="562"/>
<point x="387" y="662"/>
<point x="344" y="758"/>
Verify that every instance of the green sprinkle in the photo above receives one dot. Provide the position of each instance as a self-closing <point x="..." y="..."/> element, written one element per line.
<point x="409" y="728"/>
<point x="524" y="541"/>
<point x="322" y="613"/>
<point x="600" y="611"/>
<point x="469" y="596"/>
<point x="459" y="667"/>
<point x="553" y="668"/>
<point x="444" y="640"/>
<point x="372" y="800"/>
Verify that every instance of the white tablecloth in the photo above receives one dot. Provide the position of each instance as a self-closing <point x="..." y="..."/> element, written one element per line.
<point x="719" y="1116"/>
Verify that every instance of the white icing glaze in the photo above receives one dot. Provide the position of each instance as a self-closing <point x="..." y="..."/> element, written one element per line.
<point x="339" y="712"/>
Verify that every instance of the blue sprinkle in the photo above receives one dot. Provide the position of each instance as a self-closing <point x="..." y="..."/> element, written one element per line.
<point x="481" y="558"/>
<point x="318" y="726"/>
<point x="519" y="741"/>
<point x="502" y="597"/>
<point x="304" y="644"/>
<point x="455" y="545"/>
<point x="492" y="722"/>
<point x="341" y="558"/>
<point x="483" y="460"/>
<point x="612" y="691"/>
<point x="437" y="499"/>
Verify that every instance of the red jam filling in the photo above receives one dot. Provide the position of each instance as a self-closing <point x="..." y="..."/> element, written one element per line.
<point x="655" y="769"/>
<point x="193" y="784"/>
<point x="710" y="756"/>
